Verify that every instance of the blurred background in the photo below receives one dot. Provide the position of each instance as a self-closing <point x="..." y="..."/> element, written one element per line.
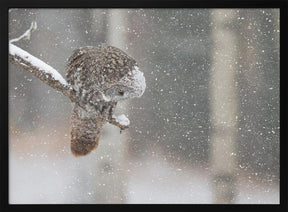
<point x="206" y="129"/>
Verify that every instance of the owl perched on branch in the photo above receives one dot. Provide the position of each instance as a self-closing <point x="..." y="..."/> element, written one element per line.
<point x="100" y="76"/>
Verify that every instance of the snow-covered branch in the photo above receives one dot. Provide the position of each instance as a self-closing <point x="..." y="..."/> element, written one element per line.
<point x="120" y="121"/>
<point x="48" y="74"/>
<point x="41" y="70"/>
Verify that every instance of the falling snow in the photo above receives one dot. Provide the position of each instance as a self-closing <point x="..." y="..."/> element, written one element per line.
<point x="189" y="114"/>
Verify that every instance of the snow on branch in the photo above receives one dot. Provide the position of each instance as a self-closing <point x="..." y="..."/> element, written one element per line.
<point x="120" y="121"/>
<point x="48" y="74"/>
<point x="39" y="69"/>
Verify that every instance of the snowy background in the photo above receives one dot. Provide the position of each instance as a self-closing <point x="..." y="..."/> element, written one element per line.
<point x="171" y="150"/>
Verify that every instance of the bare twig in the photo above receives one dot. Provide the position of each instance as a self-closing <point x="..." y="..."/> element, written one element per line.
<point x="26" y="34"/>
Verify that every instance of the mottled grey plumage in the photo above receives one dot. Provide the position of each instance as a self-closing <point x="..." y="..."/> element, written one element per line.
<point x="101" y="76"/>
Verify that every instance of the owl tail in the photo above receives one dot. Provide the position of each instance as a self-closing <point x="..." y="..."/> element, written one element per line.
<point x="85" y="132"/>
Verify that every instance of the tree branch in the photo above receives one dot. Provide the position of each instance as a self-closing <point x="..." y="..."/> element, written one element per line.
<point x="121" y="121"/>
<point x="46" y="73"/>
<point x="41" y="70"/>
<point x="26" y="34"/>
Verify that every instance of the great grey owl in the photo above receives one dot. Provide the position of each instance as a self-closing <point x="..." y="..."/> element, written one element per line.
<point x="101" y="76"/>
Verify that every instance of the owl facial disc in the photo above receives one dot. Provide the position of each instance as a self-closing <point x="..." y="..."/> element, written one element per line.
<point x="135" y="80"/>
<point x="130" y="86"/>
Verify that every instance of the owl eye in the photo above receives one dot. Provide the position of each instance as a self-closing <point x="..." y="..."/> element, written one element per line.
<point x="121" y="92"/>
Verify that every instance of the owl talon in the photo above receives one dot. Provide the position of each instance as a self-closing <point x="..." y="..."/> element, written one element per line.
<point x="123" y="128"/>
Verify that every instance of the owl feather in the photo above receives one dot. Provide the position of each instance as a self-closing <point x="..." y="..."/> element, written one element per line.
<point x="101" y="76"/>
<point x="85" y="131"/>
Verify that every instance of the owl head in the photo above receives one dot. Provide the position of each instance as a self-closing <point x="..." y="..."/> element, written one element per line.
<point x="129" y="86"/>
<point x="124" y="79"/>
<point x="105" y="70"/>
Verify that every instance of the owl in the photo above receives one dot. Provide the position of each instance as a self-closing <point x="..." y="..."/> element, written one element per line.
<point x="101" y="76"/>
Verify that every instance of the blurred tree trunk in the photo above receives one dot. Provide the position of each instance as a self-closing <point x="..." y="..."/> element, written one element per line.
<point x="258" y="92"/>
<point x="223" y="106"/>
<point x="110" y="178"/>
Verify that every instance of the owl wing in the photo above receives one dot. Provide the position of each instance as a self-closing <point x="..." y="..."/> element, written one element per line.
<point x="85" y="131"/>
<point x="79" y="58"/>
